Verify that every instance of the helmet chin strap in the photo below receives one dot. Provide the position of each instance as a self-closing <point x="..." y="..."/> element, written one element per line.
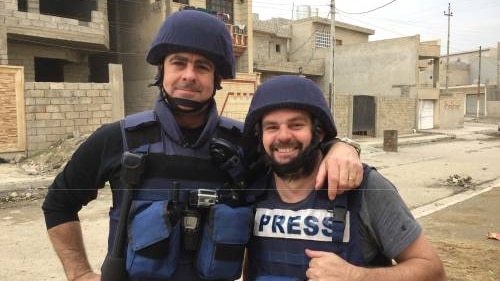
<point x="176" y="104"/>
<point x="303" y="165"/>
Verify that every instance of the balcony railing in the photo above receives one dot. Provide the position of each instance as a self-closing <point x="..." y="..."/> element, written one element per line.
<point x="238" y="32"/>
<point x="240" y="38"/>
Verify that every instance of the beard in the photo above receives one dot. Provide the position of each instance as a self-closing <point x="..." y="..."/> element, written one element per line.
<point x="303" y="165"/>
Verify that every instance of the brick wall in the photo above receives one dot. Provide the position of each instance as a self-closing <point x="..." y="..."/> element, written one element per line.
<point x="342" y="115"/>
<point x="55" y="111"/>
<point x="3" y="42"/>
<point x="395" y="113"/>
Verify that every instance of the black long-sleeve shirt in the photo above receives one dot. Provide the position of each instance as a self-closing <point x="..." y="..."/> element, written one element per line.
<point x="95" y="162"/>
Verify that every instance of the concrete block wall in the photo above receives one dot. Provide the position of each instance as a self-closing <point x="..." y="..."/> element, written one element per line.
<point x="55" y="111"/>
<point x="4" y="58"/>
<point x="343" y="115"/>
<point x="451" y="111"/>
<point x="265" y="49"/>
<point x="395" y="114"/>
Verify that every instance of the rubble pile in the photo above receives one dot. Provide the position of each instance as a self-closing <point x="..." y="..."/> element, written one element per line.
<point x="457" y="180"/>
<point x="53" y="159"/>
<point x="16" y="196"/>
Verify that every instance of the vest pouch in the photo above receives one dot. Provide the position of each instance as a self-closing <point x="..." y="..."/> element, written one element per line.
<point x="154" y="244"/>
<point x="225" y="235"/>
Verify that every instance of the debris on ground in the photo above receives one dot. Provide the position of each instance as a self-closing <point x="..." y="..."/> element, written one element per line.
<point x="29" y="194"/>
<point x="53" y="158"/>
<point x="493" y="235"/>
<point x="457" y="180"/>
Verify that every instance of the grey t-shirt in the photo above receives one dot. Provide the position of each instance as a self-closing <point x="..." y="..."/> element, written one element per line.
<point x="388" y="227"/>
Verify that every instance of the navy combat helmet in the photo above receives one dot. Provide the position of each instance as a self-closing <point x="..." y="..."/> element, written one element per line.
<point x="196" y="32"/>
<point x="289" y="91"/>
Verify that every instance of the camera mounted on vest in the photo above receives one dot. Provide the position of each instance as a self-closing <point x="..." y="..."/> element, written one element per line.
<point x="227" y="156"/>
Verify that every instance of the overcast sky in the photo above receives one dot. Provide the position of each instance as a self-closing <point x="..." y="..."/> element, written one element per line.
<point x="474" y="22"/>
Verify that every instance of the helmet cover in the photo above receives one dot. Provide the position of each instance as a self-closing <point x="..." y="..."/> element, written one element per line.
<point x="197" y="32"/>
<point x="294" y="92"/>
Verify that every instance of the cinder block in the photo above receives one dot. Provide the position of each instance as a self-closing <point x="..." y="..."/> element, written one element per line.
<point x="58" y="116"/>
<point x="52" y="108"/>
<point x="42" y="101"/>
<point x="42" y="116"/>
<point x="72" y="115"/>
<point x="66" y="108"/>
<point x="42" y="85"/>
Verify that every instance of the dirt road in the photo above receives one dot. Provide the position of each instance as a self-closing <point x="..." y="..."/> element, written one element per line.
<point x="459" y="234"/>
<point x="419" y="171"/>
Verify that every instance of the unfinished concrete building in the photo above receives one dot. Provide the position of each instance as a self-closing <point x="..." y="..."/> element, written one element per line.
<point x="377" y="84"/>
<point x="55" y="73"/>
<point x="61" y="64"/>
<point x="300" y="46"/>
<point x="479" y="85"/>
<point x="56" y="40"/>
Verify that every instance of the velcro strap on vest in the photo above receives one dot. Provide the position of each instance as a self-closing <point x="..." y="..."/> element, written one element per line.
<point x="182" y="167"/>
<point x="283" y="257"/>
<point x="339" y="210"/>
<point x="141" y="128"/>
<point x="228" y="252"/>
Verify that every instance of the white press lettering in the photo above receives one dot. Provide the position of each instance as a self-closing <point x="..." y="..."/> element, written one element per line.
<point x="308" y="224"/>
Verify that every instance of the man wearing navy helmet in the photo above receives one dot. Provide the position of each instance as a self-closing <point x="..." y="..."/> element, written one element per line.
<point x="171" y="171"/>
<point x="298" y="232"/>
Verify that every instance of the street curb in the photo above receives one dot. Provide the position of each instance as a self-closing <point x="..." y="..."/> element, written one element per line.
<point x="441" y="204"/>
<point x="410" y="140"/>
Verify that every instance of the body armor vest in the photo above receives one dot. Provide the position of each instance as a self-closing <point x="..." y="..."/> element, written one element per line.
<point x="173" y="169"/>
<point x="283" y="231"/>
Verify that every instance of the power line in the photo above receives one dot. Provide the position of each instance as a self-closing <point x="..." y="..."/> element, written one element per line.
<point x="366" y="12"/>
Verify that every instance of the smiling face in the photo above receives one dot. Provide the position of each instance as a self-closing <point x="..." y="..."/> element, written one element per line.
<point x="188" y="76"/>
<point x="285" y="134"/>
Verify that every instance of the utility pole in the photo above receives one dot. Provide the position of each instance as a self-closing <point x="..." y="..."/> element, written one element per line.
<point x="331" y="88"/>
<point x="449" y="15"/>
<point x="478" y="85"/>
